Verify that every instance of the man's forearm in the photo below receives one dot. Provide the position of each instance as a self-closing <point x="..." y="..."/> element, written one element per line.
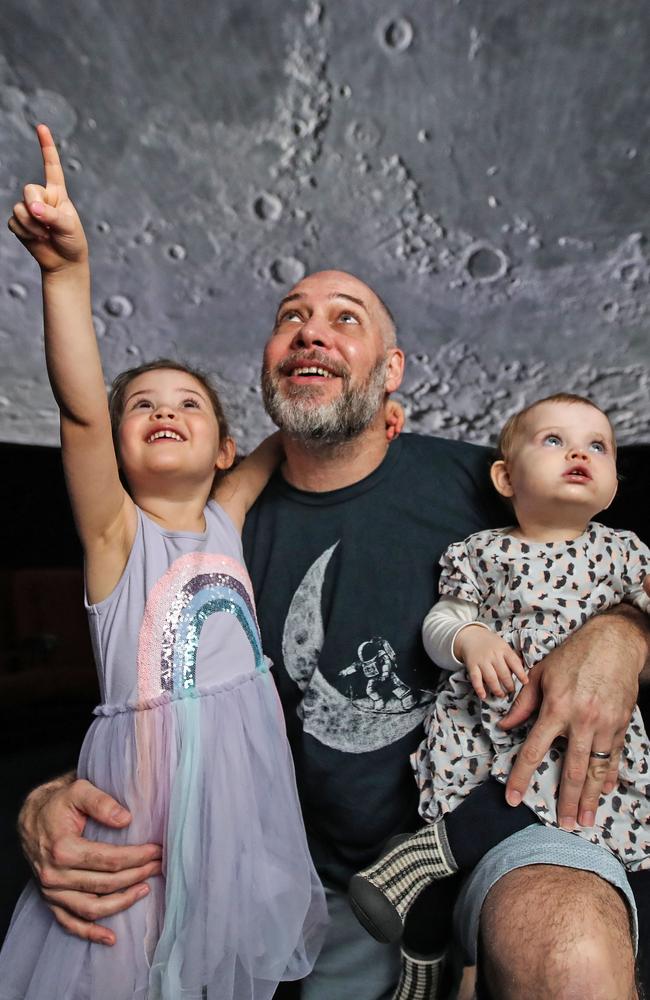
<point x="634" y="633"/>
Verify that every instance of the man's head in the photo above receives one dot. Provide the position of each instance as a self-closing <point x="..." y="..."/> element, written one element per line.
<point x="331" y="359"/>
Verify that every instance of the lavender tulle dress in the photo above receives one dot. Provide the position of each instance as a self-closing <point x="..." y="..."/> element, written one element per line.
<point x="190" y="737"/>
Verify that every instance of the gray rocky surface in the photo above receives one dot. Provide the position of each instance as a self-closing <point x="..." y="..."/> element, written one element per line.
<point x="483" y="163"/>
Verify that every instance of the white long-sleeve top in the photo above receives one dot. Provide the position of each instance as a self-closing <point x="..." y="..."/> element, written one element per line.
<point x="441" y="626"/>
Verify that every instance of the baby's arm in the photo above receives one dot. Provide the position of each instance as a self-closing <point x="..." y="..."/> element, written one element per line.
<point x="237" y="491"/>
<point x="47" y="224"/>
<point x="453" y="637"/>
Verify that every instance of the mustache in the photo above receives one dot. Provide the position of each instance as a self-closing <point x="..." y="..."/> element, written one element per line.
<point x="312" y="357"/>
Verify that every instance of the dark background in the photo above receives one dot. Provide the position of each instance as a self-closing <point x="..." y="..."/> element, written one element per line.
<point x="47" y="677"/>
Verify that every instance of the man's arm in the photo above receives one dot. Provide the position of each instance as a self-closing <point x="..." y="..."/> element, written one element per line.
<point x="585" y="690"/>
<point x="82" y="880"/>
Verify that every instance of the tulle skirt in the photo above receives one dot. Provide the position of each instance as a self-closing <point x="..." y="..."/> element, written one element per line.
<point x="239" y="906"/>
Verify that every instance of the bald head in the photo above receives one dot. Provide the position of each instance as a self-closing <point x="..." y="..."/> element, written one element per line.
<point x="343" y="285"/>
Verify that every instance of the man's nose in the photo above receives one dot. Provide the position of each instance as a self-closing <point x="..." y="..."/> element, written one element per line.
<point x="314" y="332"/>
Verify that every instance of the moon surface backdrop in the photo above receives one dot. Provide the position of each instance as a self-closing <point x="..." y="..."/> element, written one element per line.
<point x="484" y="165"/>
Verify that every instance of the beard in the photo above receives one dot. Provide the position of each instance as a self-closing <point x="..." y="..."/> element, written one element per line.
<point x="296" y="410"/>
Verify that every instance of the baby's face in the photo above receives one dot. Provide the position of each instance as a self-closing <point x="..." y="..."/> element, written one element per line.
<point x="564" y="456"/>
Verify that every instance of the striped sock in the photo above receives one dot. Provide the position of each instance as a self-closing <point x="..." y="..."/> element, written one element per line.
<point x="420" y="977"/>
<point x="381" y="894"/>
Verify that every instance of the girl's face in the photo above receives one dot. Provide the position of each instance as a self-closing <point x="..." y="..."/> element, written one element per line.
<point x="563" y="460"/>
<point x="169" y="426"/>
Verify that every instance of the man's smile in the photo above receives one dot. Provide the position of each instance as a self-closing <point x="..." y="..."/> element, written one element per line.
<point x="313" y="370"/>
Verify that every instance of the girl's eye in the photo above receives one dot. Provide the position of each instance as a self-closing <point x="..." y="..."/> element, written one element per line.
<point x="143" y="404"/>
<point x="598" y="447"/>
<point x="553" y="440"/>
<point x="193" y="403"/>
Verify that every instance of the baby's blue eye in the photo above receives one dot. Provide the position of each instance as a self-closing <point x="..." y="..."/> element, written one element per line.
<point x="598" y="447"/>
<point x="553" y="440"/>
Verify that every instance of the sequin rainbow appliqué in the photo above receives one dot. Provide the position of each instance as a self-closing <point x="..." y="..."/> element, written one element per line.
<point x="194" y="587"/>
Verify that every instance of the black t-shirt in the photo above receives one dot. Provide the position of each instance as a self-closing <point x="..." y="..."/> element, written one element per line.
<point x="343" y="580"/>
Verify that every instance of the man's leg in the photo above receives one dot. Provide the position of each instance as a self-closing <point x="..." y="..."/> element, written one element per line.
<point x="556" y="932"/>
<point x="351" y="965"/>
<point x="568" y="912"/>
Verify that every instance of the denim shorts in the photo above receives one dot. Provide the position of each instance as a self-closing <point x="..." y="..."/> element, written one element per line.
<point x="536" y="845"/>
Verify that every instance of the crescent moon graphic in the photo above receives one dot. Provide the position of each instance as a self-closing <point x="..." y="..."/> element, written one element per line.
<point x="329" y="716"/>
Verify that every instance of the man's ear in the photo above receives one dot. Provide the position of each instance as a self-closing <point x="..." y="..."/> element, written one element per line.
<point x="227" y="452"/>
<point x="394" y="369"/>
<point x="501" y="478"/>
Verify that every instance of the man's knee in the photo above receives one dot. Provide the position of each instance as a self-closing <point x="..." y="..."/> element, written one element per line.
<point x="552" y="931"/>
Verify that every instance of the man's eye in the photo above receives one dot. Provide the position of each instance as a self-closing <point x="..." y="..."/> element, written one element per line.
<point x="348" y="317"/>
<point x="598" y="447"/>
<point x="553" y="440"/>
<point x="291" y="314"/>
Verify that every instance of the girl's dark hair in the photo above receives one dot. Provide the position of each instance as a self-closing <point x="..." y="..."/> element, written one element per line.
<point x="121" y="382"/>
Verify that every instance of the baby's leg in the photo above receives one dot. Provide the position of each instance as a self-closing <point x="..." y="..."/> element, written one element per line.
<point x="382" y="893"/>
<point x="483" y="820"/>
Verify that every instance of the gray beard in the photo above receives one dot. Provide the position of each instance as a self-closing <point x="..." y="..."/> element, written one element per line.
<point x="297" y="414"/>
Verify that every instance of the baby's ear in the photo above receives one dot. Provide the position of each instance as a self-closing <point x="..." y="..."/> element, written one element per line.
<point x="227" y="452"/>
<point x="613" y="496"/>
<point x="501" y="478"/>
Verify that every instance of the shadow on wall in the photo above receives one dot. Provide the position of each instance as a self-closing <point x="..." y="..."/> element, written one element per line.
<point x="47" y="679"/>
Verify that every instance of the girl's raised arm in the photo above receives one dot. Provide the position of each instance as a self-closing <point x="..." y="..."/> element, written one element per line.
<point x="47" y="224"/>
<point x="238" y="490"/>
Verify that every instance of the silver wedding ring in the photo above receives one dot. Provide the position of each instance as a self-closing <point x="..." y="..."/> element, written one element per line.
<point x="601" y="754"/>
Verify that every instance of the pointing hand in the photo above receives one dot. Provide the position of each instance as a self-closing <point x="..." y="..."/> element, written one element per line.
<point x="46" y="221"/>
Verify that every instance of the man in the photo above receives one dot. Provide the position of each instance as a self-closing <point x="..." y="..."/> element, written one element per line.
<point x="343" y="548"/>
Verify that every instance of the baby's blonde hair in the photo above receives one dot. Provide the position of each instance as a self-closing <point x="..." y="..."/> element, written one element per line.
<point x="513" y="424"/>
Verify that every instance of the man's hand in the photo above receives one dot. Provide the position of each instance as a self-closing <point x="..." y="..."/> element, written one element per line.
<point x="82" y="880"/>
<point x="585" y="690"/>
<point x="489" y="661"/>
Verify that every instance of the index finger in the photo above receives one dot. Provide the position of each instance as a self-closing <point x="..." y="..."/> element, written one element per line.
<point x="51" y="162"/>
<point x="531" y="754"/>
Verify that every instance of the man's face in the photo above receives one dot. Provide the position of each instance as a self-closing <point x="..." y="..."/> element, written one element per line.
<point x="327" y="366"/>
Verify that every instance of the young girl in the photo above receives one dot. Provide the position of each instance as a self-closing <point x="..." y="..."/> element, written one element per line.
<point x="508" y="597"/>
<point x="190" y="734"/>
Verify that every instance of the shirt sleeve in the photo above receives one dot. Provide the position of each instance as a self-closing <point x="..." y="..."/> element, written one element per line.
<point x="457" y="574"/>
<point x="441" y="626"/>
<point x="637" y="567"/>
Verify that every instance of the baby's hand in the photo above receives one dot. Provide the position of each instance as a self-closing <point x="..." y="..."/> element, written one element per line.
<point x="490" y="662"/>
<point x="395" y="417"/>
<point x="46" y="221"/>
